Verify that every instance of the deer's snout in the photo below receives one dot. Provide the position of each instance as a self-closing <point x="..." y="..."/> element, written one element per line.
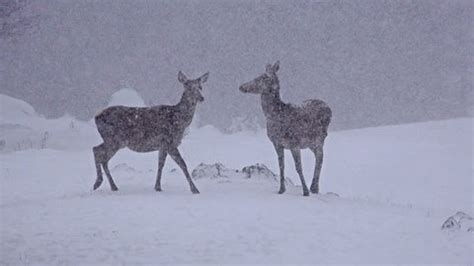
<point x="249" y="87"/>
<point x="244" y="88"/>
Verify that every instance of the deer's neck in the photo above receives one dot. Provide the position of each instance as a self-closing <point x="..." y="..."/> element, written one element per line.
<point x="272" y="104"/>
<point x="186" y="107"/>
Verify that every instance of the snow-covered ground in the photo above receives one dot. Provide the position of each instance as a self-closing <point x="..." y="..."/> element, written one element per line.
<point x="385" y="194"/>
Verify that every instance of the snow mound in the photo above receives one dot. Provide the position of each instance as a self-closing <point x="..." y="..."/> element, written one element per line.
<point x="460" y="221"/>
<point x="218" y="170"/>
<point x="213" y="171"/>
<point x="261" y="171"/>
<point x="15" y="110"/>
<point x="126" y="97"/>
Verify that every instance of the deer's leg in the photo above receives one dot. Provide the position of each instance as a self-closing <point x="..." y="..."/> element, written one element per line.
<point x="113" y="187"/>
<point x="98" y="151"/>
<point x="281" y="162"/>
<point x="297" y="157"/>
<point x="174" y="153"/>
<point x="318" y="153"/>
<point x="161" y="162"/>
<point x="109" y="153"/>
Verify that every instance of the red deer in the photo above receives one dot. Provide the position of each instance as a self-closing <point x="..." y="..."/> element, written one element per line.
<point x="146" y="129"/>
<point x="291" y="127"/>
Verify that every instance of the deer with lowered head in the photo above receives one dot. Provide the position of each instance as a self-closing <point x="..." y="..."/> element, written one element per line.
<point x="146" y="129"/>
<point x="291" y="127"/>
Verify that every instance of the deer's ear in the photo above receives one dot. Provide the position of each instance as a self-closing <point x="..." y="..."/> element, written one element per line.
<point x="204" y="77"/>
<point x="276" y="66"/>
<point x="269" y="69"/>
<point x="181" y="77"/>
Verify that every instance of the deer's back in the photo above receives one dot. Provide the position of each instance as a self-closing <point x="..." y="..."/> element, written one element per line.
<point x="141" y="129"/>
<point x="300" y="126"/>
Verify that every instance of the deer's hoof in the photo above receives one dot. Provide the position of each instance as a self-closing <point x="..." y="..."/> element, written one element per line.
<point x="97" y="184"/>
<point x="306" y="193"/>
<point x="282" y="190"/>
<point x="315" y="190"/>
<point x="114" y="188"/>
<point x="157" y="188"/>
<point x="195" y="191"/>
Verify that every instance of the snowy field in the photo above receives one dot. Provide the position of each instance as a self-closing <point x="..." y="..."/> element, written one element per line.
<point x="385" y="194"/>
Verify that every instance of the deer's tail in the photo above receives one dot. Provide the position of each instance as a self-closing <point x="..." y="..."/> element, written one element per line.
<point x="100" y="120"/>
<point x="103" y="126"/>
<point x="325" y="117"/>
<point x="322" y="111"/>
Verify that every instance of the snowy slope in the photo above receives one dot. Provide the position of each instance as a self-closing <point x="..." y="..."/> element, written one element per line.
<point x="396" y="187"/>
<point x="21" y="128"/>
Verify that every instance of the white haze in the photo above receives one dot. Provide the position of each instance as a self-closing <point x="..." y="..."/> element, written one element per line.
<point x="374" y="62"/>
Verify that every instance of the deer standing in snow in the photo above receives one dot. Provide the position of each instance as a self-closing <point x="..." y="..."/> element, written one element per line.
<point x="146" y="129"/>
<point x="291" y="127"/>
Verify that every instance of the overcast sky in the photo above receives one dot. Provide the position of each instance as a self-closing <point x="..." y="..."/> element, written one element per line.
<point x="374" y="62"/>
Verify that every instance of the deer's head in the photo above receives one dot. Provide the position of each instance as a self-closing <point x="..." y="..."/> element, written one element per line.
<point x="192" y="87"/>
<point x="265" y="83"/>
